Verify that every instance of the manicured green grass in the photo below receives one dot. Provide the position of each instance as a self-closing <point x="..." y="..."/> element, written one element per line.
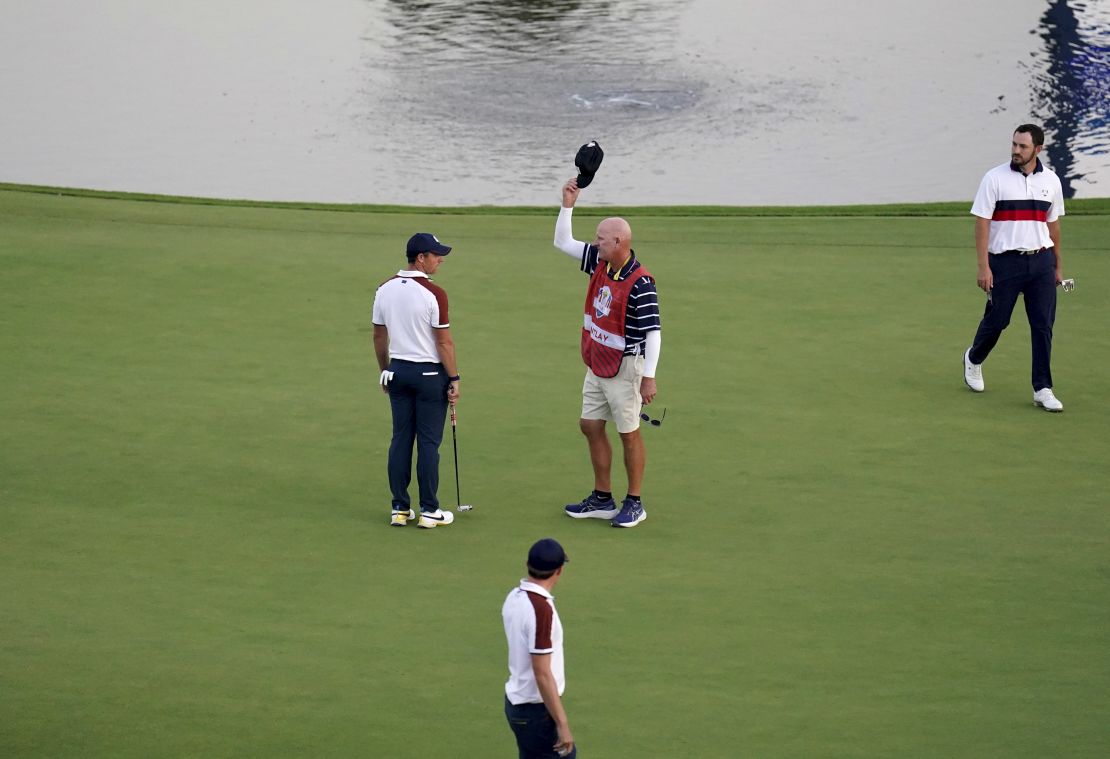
<point x="847" y="553"/>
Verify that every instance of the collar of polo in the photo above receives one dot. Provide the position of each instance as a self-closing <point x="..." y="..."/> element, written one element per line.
<point x="624" y="270"/>
<point x="412" y="273"/>
<point x="1036" y="169"/>
<point x="534" y="588"/>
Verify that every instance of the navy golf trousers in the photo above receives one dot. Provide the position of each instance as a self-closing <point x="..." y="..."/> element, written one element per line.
<point x="418" y="397"/>
<point x="1033" y="276"/>
<point x="535" y="731"/>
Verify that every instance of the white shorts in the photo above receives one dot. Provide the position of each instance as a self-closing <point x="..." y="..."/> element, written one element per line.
<point x="616" y="399"/>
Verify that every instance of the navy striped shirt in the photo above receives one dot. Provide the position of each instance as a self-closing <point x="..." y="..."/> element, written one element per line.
<point x="642" y="315"/>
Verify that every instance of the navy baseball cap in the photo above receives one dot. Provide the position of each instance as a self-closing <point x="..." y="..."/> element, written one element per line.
<point x="426" y="242"/>
<point x="546" y="555"/>
<point x="588" y="162"/>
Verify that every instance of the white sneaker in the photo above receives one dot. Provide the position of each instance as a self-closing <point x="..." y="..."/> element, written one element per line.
<point x="973" y="373"/>
<point x="401" y="518"/>
<point x="1046" y="400"/>
<point x="430" y="519"/>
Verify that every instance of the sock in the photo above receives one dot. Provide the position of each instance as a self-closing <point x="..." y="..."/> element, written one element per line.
<point x="635" y="498"/>
<point x="603" y="495"/>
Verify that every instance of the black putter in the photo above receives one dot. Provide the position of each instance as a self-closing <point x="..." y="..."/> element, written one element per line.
<point x="460" y="506"/>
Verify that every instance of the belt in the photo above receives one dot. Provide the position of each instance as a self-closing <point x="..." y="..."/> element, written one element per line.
<point x="1020" y="252"/>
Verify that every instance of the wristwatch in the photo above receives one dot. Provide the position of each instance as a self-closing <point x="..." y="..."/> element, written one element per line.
<point x="453" y="379"/>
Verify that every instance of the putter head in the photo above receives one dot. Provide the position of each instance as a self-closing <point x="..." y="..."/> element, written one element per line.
<point x="464" y="507"/>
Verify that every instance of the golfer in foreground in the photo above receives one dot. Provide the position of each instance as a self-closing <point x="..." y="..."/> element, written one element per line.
<point x="621" y="338"/>
<point x="533" y="693"/>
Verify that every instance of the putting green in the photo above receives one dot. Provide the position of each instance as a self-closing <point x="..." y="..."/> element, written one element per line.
<point x="847" y="554"/>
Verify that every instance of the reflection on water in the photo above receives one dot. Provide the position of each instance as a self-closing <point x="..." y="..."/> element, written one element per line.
<point x="458" y="102"/>
<point x="589" y="31"/>
<point x="520" y="63"/>
<point x="505" y="80"/>
<point x="1071" y="91"/>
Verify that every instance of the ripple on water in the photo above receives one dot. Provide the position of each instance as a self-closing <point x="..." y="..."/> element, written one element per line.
<point x="567" y="31"/>
<point x="656" y="99"/>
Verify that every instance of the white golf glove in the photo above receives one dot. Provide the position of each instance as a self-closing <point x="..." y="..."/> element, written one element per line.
<point x="386" y="378"/>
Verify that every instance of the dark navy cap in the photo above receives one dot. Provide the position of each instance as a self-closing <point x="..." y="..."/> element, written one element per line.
<point x="426" y="242"/>
<point x="588" y="162"/>
<point x="546" y="555"/>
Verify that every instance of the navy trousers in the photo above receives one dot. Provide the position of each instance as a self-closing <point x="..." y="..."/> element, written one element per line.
<point x="418" y="398"/>
<point x="1034" y="277"/>
<point x="535" y="731"/>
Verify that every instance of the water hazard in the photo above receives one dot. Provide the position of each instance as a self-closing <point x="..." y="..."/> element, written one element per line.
<point x="1071" y="91"/>
<point x="456" y="102"/>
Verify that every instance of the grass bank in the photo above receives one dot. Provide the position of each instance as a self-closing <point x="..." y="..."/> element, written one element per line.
<point x="1079" y="207"/>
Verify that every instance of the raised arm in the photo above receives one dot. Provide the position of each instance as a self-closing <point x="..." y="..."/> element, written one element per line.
<point x="564" y="238"/>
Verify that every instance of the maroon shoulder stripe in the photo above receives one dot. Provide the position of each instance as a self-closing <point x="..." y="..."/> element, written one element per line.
<point x="544" y="619"/>
<point x="441" y="299"/>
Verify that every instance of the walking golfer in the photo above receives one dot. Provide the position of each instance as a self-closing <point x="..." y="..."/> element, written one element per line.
<point x="412" y="342"/>
<point x="533" y="693"/>
<point x="1017" y="242"/>
<point x="620" y="346"/>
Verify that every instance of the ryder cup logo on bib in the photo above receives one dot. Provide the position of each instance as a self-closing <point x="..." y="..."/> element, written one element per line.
<point x="603" y="301"/>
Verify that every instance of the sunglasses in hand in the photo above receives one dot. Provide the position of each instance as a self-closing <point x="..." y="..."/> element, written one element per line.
<point x="653" y="422"/>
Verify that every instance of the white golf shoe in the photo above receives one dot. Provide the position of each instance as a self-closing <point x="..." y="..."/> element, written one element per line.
<point x="973" y="373"/>
<point x="401" y="518"/>
<point x="1047" y="400"/>
<point x="430" y="519"/>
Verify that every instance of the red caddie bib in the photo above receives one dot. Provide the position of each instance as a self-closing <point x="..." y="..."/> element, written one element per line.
<point x="603" y="337"/>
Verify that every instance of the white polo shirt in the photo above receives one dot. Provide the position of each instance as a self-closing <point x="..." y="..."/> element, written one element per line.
<point x="410" y="306"/>
<point x="532" y="626"/>
<point x="1020" y="207"/>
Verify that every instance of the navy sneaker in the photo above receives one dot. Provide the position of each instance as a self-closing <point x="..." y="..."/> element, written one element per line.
<point x="592" y="506"/>
<point x="632" y="513"/>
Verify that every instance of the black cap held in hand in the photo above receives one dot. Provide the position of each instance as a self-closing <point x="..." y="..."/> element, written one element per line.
<point x="588" y="162"/>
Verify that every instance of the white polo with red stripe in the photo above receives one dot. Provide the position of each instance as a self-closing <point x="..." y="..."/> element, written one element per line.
<point x="1019" y="206"/>
<point x="532" y="626"/>
<point x="410" y="306"/>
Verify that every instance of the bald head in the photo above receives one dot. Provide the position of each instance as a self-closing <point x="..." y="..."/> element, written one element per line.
<point x="614" y="240"/>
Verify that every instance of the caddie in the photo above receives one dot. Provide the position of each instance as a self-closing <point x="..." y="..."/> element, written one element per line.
<point x="621" y="339"/>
